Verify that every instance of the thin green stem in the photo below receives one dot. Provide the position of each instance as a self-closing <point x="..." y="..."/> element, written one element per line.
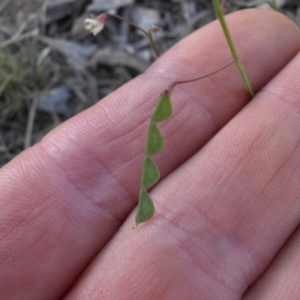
<point x="231" y="45"/>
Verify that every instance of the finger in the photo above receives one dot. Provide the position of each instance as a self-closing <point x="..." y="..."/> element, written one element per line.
<point x="221" y="216"/>
<point x="281" y="280"/>
<point x="63" y="199"/>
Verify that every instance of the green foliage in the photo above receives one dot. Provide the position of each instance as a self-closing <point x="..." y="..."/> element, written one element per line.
<point x="154" y="144"/>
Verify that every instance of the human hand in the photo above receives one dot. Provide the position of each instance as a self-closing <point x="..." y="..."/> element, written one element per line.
<point x="227" y="205"/>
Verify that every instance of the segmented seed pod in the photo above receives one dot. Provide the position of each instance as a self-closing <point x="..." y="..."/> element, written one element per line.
<point x="154" y="144"/>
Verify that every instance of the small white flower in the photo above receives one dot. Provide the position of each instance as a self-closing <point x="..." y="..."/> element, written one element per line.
<point x="93" y="25"/>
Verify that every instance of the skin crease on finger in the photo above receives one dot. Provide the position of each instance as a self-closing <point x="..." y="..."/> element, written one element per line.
<point x="221" y="216"/>
<point x="281" y="280"/>
<point x="62" y="200"/>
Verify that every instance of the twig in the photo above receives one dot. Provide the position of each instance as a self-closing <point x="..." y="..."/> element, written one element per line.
<point x="29" y="128"/>
<point x="4" y="83"/>
<point x="3" y="147"/>
<point x="3" y="5"/>
<point x="16" y="38"/>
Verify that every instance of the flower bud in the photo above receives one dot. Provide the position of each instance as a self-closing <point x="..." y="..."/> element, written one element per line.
<point x="154" y="28"/>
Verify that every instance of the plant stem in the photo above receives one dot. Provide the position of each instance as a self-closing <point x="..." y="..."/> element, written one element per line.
<point x="127" y="21"/>
<point x="205" y="76"/>
<point x="147" y="33"/>
<point x="229" y="39"/>
<point x="154" y="48"/>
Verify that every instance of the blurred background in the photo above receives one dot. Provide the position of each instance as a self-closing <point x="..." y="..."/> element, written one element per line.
<point x="51" y="68"/>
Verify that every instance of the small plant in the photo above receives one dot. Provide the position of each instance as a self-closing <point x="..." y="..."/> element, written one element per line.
<point x="154" y="144"/>
<point x="163" y="109"/>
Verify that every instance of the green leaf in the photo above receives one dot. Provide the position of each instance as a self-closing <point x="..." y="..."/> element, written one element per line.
<point x="163" y="109"/>
<point x="150" y="173"/>
<point x="155" y="141"/>
<point x="145" y="209"/>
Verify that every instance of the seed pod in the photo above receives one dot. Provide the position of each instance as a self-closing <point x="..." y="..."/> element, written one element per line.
<point x="154" y="144"/>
